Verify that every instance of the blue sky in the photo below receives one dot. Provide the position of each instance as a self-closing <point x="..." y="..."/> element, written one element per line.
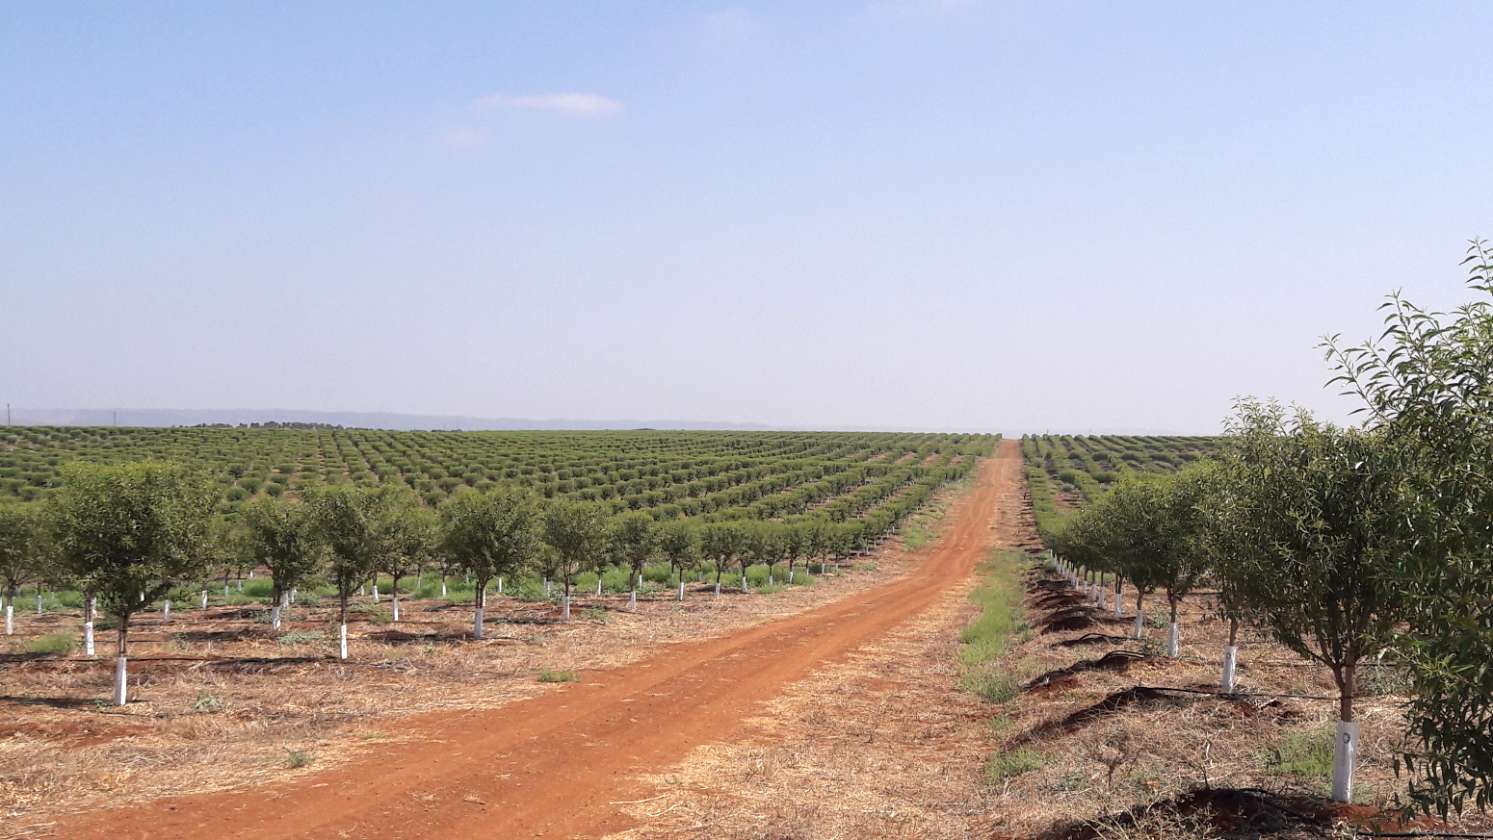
<point x="908" y="213"/>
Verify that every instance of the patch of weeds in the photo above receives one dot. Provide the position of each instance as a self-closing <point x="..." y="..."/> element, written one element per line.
<point x="296" y="759"/>
<point x="769" y="589"/>
<point x="54" y="644"/>
<point x="258" y="588"/>
<point x="1304" y="755"/>
<point x="998" y="596"/>
<point x="1008" y="765"/>
<point x="557" y="676"/>
<point x="986" y="638"/>
<point x="596" y="614"/>
<point x="993" y="684"/>
<point x="916" y="536"/>
<point x="868" y="566"/>
<point x="372" y="614"/>
<point x="301" y="637"/>
<point x="206" y="704"/>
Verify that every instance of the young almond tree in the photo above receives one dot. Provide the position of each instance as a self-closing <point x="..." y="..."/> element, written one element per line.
<point x="1227" y="540"/>
<point x="680" y="544"/>
<point x="349" y="522"/>
<point x="634" y="541"/>
<point x="1183" y="559"/>
<point x="578" y="534"/>
<point x="409" y="531"/>
<point x="760" y="543"/>
<point x="795" y="546"/>
<point x="489" y="533"/>
<point x="280" y="535"/>
<point x="1323" y="501"/>
<point x="721" y="543"/>
<point x="1122" y="531"/>
<point x="20" y="552"/>
<point x="129" y="533"/>
<point x="1425" y="388"/>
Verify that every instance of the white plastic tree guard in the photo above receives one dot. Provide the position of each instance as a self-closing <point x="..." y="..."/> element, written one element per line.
<point x="121" y="681"/>
<point x="1230" y="661"/>
<point x="1343" y="759"/>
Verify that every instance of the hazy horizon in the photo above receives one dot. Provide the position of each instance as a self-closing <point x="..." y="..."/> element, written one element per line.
<point x="889" y="214"/>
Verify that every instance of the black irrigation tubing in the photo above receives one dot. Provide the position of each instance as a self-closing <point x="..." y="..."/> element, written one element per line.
<point x="1422" y="834"/>
<point x="1238" y="694"/>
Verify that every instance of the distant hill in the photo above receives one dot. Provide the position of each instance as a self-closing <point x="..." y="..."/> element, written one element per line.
<point x="351" y="419"/>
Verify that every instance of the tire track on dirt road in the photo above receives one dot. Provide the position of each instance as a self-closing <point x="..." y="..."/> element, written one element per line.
<point x="555" y="764"/>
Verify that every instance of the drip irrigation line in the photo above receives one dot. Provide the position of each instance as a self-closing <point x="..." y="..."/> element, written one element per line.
<point x="1422" y="834"/>
<point x="1238" y="694"/>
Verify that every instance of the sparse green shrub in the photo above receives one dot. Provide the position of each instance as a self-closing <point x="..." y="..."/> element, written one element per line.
<point x="1008" y="765"/>
<point x="53" y="644"/>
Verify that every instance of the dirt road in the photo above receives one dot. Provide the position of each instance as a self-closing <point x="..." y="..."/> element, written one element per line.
<point x="554" y="765"/>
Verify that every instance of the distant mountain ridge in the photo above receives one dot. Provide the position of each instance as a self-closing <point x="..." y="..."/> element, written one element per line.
<point x="352" y="419"/>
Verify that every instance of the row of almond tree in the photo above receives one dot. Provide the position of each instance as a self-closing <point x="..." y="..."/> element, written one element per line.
<point x="126" y="535"/>
<point x="1350" y="546"/>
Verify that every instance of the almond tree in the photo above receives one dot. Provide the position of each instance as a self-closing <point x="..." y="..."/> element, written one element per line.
<point x="409" y="531"/>
<point x="1322" y="500"/>
<point x="20" y="552"/>
<point x="721" y="543"/>
<point x="680" y="544"/>
<point x="577" y="532"/>
<point x="129" y="533"/>
<point x="634" y="540"/>
<point x="760" y="543"/>
<point x="1425" y="386"/>
<point x="489" y="533"/>
<point x="280" y="535"/>
<point x="349" y="522"/>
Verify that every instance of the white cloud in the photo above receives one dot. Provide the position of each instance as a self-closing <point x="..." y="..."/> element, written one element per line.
<point x="573" y="104"/>
<point x="464" y="137"/>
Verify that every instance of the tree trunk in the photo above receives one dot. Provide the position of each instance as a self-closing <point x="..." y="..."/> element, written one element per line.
<point x="1173" y="632"/>
<point x="1230" y="657"/>
<point x="477" y="611"/>
<point x="1346" y="679"/>
<point x="88" y="611"/>
<point x="1140" y="615"/>
<point x="565" y="604"/>
<point x="1345" y="752"/>
<point x="121" y="662"/>
<point x="396" y="599"/>
<point x="342" y="619"/>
